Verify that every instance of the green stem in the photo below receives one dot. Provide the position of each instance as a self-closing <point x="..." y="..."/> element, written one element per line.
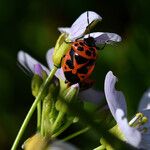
<point x="39" y="116"/>
<point x="76" y="134"/>
<point x="45" y="122"/>
<point x="58" y="121"/>
<point x="33" y="107"/>
<point x="62" y="129"/>
<point x="42" y="122"/>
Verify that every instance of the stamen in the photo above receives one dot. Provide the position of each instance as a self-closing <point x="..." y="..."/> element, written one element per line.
<point x="144" y="120"/>
<point x="138" y="121"/>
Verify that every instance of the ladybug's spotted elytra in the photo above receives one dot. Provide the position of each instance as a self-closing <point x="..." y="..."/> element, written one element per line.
<point x="79" y="61"/>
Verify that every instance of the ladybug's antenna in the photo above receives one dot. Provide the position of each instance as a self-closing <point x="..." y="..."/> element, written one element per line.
<point x="88" y="21"/>
<point x="88" y="18"/>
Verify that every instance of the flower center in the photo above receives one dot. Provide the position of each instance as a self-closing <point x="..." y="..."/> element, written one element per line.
<point x="138" y="121"/>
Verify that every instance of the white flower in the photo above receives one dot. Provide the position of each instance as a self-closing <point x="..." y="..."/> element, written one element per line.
<point x="82" y="26"/>
<point x="137" y="131"/>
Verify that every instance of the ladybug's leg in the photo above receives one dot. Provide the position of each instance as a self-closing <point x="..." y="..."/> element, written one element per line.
<point x="101" y="48"/>
<point x="68" y="42"/>
<point x="68" y="83"/>
<point x="79" y="38"/>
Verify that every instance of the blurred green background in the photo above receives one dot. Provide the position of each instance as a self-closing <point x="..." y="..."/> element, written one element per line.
<point x="31" y="25"/>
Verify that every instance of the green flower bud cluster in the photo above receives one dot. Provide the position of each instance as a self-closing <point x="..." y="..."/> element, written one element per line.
<point x="52" y="95"/>
<point x="52" y="112"/>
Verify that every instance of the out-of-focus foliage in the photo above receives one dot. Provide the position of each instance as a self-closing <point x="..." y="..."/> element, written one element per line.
<point x="31" y="25"/>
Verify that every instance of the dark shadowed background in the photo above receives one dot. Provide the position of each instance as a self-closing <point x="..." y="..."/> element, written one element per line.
<point x="31" y="25"/>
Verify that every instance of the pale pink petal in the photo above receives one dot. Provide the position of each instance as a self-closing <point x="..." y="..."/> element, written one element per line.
<point x="145" y="144"/>
<point x="49" y="58"/>
<point x="145" y="101"/>
<point x="60" y="145"/>
<point x="29" y="62"/>
<point x="146" y="135"/>
<point x="115" y="99"/>
<point x="79" y="27"/>
<point x="147" y="124"/>
<point x="132" y="135"/>
<point x="64" y="30"/>
<point x="144" y="107"/>
<point x="104" y="37"/>
<point x="74" y="86"/>
<point x="38" y="70"/>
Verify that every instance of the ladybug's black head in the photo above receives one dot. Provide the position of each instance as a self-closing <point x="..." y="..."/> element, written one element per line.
<point x="90" y="41"/>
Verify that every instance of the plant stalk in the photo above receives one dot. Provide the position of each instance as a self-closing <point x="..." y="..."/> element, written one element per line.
<point x="33" y="107"/>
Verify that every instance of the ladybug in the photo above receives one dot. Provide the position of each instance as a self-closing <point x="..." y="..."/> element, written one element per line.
<point x="79" y="61"/>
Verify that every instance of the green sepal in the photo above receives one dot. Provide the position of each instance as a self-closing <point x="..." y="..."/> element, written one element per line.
<point x="61" y="106"/>
<point x="46" y="108"/>
<point x="60" y="49"/>
<point x="44" y="75"/>
<point x="115" y="131"/>
<point x="53" y="96"/>
<point x="68" y="95"/>
<point x="106" y="145"/>
<point x="49" y="112"/>
<point x="74" y="116"/>
<point x="36" y="84"/>
<point x="71" y="93"/>
<point x="63" y="88"/>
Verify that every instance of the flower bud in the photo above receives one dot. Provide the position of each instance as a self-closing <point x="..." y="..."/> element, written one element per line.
<point x="72" y="92"/>
<point x="39" y="76"/>
<point x="70" y="95"/>
<point x="60" y="49"/>
<point x="44" y="75"/>
<point x="49" y="110"/>
<point x="36" y="84"/>
<point x="38" y="70"/>
<point x="37" y="142"/>
<point x="46" y="109"/>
